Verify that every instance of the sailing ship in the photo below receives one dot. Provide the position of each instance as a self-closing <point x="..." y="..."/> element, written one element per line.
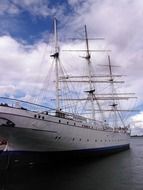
<point x="30" y="127"/>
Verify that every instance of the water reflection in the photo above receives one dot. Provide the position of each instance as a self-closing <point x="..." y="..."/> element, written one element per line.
<point x="120" y="171"/>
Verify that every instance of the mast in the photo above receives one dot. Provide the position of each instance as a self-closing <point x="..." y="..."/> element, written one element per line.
<point x="114" y="104"/>
<point x="91" y="90"/>
<point x="56" y="57"/>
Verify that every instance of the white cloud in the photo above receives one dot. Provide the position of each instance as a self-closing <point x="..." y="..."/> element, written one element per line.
<point x="138" y="119"/>
<point x="20" y="67"/>
<point x="137" y="124"/>
<point x="7" y="89"/>
<point x="7" y="7"/>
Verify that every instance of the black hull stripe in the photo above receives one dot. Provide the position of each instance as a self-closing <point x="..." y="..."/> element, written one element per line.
<point x="71" y="156"/>
<point x="103" y="149"/>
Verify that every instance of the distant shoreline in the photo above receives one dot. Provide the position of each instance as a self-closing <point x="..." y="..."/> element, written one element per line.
<point x="136" y="136"/>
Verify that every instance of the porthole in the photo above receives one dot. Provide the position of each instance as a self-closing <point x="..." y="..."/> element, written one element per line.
<point x="67" y="122"/>
<point x="35" y="116"/>
<point x="59" y="121"/>
<point x="87" y="140"/>
<point x="80" y="139"/>
<point x="43" y="117"/>
<point x="73" y="139"/>
<point x="39" y="116"/>
<point x="74" y="124"/>
<point x="95" y="140"/>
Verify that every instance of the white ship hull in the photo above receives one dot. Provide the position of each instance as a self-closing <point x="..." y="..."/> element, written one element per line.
<point x="24" y="132"/>
<point x="62" y="130"/>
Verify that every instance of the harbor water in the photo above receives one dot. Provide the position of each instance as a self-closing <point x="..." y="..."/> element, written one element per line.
<point x="121" y="171"/>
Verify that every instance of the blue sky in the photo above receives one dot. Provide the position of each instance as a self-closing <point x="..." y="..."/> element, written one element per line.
<point x="25" y="26"/>
<point x="29" y="20"/>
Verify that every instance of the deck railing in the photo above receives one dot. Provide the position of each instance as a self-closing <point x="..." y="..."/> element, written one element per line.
<point x="20" y="104"/>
